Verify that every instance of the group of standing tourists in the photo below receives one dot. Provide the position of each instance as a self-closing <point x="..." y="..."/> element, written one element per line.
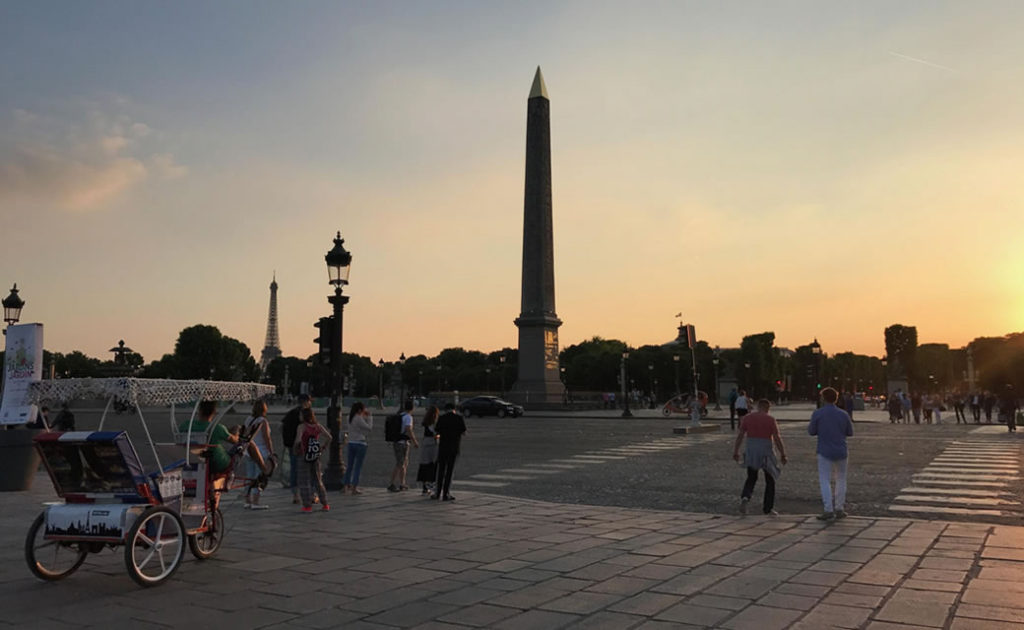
<point x="929" y="407"/>
<point x="830" y="424"/>
<point x="305" y="439"/>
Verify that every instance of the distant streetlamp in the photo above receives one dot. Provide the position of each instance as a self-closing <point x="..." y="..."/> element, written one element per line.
<point x="12" y="307"/>
<point x="339" y="264"/>
<point x="746" y="376"/>
<point x="401" y="381"/>
<point x="501" y="361"/>
<point x="420" y="387"/>
<point x="715" y="361"/>
<point x="675" y="363"/>
<point x="380" y="386"/>
<point x="488" y="377"/>
<point x="650" y="382"/>
<point x="816" y="356"/>
<point x="437" y="370"/>
<point x="564" y="382"/>
<point x="623" y="365"/>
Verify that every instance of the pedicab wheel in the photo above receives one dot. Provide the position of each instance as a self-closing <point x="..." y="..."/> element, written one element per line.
<point x="154" y="547"/>
<point x="665" y="411"/>
<point x="51" y="560"/>
<point x="203" y="545"/>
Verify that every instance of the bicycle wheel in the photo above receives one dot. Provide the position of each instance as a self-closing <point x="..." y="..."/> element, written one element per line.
<point x="51" y="560"/>
<point x="204" y="544"/>
<point x="154" y="546"/>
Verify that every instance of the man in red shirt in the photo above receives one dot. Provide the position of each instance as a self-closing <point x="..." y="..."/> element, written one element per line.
<point x="761" y="432"/>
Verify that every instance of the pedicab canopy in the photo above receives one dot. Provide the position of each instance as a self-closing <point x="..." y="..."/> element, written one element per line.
<point x="145" y="392"/>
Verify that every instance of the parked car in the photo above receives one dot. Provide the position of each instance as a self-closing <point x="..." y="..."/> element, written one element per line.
<point x="489" y="406"/>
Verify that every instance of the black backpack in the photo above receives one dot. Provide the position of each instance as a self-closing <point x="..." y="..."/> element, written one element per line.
<point x="393" y="428"/>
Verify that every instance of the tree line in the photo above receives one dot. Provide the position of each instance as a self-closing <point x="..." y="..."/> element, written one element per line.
<point x="590" y="367"/>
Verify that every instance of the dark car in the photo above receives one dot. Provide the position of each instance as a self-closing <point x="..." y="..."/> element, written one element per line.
<point x="489" y="406"/>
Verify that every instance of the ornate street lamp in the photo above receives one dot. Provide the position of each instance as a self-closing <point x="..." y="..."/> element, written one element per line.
<point x="675" y="362"/>
<point x="715" y="361"/>
<point x="339" y="264"/>
<point x="380" y="385"/>
<point x="501" y="360"/>
<point x="401" y="380"/>
<point x="626" y="413"/>
<point x="650" y="382"/>
<point x="565" y="383"/>
<point x="12" y="307"/>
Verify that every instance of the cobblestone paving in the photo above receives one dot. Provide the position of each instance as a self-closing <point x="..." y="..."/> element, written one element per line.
<point x="485" y="561"/>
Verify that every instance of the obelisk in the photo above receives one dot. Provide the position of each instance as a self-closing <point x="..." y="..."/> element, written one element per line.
<point x="539" y="384"/>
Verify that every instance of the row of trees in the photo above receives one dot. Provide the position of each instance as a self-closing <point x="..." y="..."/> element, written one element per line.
<point x="593" y="366"/>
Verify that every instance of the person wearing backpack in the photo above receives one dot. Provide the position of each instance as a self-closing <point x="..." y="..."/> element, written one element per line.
<point x="401" y="448"/>
<point x="312" y="439"/>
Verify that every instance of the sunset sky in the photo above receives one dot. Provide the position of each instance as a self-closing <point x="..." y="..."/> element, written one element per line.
<point x="815" y="169"/>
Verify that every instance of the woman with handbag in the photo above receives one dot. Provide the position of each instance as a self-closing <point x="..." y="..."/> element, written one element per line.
<point x="428" y="451"/>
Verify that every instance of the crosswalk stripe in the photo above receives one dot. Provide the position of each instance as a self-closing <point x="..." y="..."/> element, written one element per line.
<point x="529" y="471"/>
<point x="985" y="501"/>
<point x="934" y="509"/>
<point x="479" y="484"/>
<point x="958" y="482"/>
<point x="503" y="477"/>
<point x="954" y="491"/>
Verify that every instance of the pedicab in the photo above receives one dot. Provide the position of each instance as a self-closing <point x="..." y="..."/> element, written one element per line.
<point x="682" y="404"/>
<point x="109" y="498"/>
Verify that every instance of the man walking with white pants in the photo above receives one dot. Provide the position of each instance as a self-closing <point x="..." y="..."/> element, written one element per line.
<point x="832" y="426"/>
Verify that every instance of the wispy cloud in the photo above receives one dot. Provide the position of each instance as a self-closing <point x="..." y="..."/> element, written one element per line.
<point x="79" y="159"/>
<point x="921" y="61"/>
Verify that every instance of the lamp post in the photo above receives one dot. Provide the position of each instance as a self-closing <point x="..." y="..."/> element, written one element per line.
<point x="339" y="264"/>
<point x="565" y="383"/>
<point x="401" y="381"/>
<point x="487" y="370"/>
<point x="650" y="383"/>
<point x="12" y="307"/>
<point x="626" y="413"/>
<point x="714" y="361"/>
<point x="380" y="384"/>
<point x="816" y="358"/>
<point x="501" y="366"/>
<point x="675" y="363"/>
<point x="746" y="377"/>
<point x="885" y="376"/>
<point x="437" y="369"/>
<point x="420" y="387"/>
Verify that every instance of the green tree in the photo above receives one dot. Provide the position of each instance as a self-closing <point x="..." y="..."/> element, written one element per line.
<point x="759" y="351"/>
<point x="203" y="352"/>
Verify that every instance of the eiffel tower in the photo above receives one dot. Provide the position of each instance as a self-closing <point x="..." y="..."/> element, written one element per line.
<point x="272" y="346"/>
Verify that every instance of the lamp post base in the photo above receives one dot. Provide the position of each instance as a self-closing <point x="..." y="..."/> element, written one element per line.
<point x="335" y="472"/>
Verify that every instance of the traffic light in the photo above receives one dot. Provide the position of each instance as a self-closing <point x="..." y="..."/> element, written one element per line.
<point x="326" y="327"/>
<point x="819" y="385"/>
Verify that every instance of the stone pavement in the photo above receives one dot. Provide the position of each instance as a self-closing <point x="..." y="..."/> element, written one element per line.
<point x="385" y="560"/>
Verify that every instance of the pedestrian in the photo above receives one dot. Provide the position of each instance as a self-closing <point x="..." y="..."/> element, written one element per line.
<point x="1008" y="406"/>
<point x="915" y="405"/>
<point x="832" y="426"/>
<point x="733" y="395"/>
<point x="928" y="405"/>
<point x="848" y="404"/>
<point x="360" y="423"/>
<point x="311" y="440"/>
<point x="906" y="406"/>
<point x="449" y="429"/>
<point x="427" y="473"/>
<point x="65" y="420"/>
<point x="761" y="432"/>
<point x="401" y="449"/>
<point x="988" y="404"/>
<point x="259" y="459"/>
<point x="895" y="408"/>
<point x="289" y="426"/>
<point x="959" y="404"/>
<point x="976" y="406"/>
<point x="742" y="405"/>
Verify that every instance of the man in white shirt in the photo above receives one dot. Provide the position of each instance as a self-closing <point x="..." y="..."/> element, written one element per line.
<point x="401" y="448"/>
<point x="742" y="405"/>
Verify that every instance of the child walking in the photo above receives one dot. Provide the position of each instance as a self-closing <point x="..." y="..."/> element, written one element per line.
<point x="312" y="440"/>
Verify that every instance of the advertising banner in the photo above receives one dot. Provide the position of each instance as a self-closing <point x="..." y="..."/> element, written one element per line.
<point x="23" y="364"/>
